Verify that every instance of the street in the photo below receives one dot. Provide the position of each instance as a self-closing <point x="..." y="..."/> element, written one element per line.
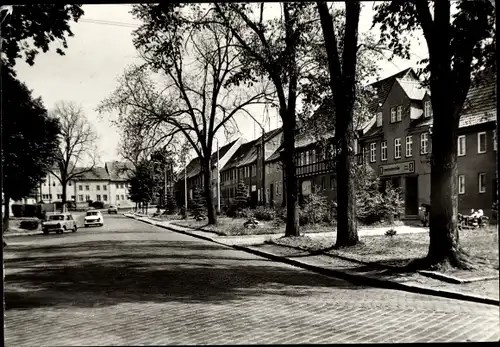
<point x="131" y="283"/>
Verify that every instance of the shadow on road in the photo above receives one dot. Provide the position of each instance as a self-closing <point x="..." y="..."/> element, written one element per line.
<point x="96" y="274"/>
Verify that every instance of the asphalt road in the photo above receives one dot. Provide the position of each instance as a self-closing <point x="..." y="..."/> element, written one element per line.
<point x="130" y="283"/>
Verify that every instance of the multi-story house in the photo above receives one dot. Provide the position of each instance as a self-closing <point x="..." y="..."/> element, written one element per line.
<point x="118" y="187"/>
<point x="193" y="173"/>
<point x="50" y="189"/>
<point x="246" y="165"/>
<point x="93" y="185"/>
<point x="241" y="166"/>
<point x="397" y="142"/>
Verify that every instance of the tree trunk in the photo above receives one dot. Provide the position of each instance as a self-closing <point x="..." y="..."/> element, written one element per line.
<point x="347" y="230"/>
<point x="292" y="207"/>
<point x="207" y="180"/>
<point x="444" y="247"/>
<point x="6" y="213"/>
<point x="63" y="205"/>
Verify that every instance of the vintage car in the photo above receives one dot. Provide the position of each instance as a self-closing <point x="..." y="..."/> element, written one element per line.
<point x="59" y="222"/>
<point x="112" y="209"/>
<point x="93" y="217"/>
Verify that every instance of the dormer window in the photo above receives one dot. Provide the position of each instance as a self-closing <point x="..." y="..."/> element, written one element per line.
<point x="379" y="119"/>
<point x="427" y="109"/>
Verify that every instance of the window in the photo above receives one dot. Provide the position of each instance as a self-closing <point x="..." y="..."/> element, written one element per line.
<point x="123" y="198"/>
<point x="424" y="141"/>
<point x="313" y="156"/>
<point x="379" y="119"/>
<point x="53" y="184"/>
<point x="87" y="188"/>
<point x="80" y="197"/>
<point x="481" y="142"/>
<point x="105" y="197"/>
<point x="277" y="187"/>
<point x="98" y="197"/>
<point x="59" y="196"/>
<point x="104" y="187"/>
<point x="80" y="187"/>
<point x="87" y="197"/>
<point x="98" y="187"/>
<point x="482" y="182"/>
<point x="461" y="145"/>
<point x="373" y="152"/>
<point x="72" y="197"/>
<point x="408" y="144"/>
<point x="461" y="184"/>
<point x="383" y="147"/>
<point x="399" y="114"/>
<point x="69" y="183"/>
<point x="393" y="114"/>
<point x="118" y="197"/>
<point x="397" y="148"/>
<point x="427" y="109"/>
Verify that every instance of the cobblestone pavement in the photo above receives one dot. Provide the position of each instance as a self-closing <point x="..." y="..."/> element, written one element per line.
<point x="130" y="283"/>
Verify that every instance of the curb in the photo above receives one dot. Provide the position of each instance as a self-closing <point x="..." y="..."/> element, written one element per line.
<point x="357" y="279"/>
<point x="8" y="234"/>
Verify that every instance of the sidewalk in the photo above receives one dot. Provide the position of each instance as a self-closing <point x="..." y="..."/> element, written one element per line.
<point x="345" y="268"/>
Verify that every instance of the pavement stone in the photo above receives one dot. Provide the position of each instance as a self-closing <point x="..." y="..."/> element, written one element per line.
<point x="131" y="283"/>
<point x="338" y="266"/>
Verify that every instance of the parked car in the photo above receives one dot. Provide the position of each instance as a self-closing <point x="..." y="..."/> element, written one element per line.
<point x="59" y="222"/>
<point x="112" y="209"/>
<point x="93" y="217"/>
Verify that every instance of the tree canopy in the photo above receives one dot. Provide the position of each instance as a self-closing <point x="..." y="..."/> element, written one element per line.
<point x="29" y="139"/>
<point x="31" y="28"/>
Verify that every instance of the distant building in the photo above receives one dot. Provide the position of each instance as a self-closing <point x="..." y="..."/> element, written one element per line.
<point x="108" y="184"/>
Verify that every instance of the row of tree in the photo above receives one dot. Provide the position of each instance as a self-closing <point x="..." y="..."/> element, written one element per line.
<point x="215" y="60"/>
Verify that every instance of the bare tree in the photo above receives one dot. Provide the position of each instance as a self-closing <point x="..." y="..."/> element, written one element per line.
<point x="77" y="144"/>
<point x="195" y="101"/>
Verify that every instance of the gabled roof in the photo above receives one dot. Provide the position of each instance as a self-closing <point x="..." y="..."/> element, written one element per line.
<point x="194" y="167"/>
<point x="95" y="174"/>
<point x="413" y="88"/>
<point x="242" y="155"/>
<point x="384" y="86"/>
<point x="246" y="154"/>
<point x="480" y="105"/>
<point x="118" y="170"/>
<point x="382" y="89"/>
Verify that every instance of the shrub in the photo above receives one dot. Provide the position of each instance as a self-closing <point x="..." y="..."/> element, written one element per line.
<point x="29" y="224"/>
<point x="29" y="210"/>
<point x="97" y="204"/>
<point x="317" y="209"/>
<point x="18" y="210"/>
<point x="372" y="205"/>
<point x="264" y="213"/>
<point x="198" y="208"/>
<point x="170" y="205"/>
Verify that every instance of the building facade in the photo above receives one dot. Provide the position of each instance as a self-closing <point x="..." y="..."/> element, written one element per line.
<point x="397" y="144"/>
<point x="106" y="184"/>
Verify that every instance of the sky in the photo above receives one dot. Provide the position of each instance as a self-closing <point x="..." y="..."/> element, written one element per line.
<point x="100" y="51"/>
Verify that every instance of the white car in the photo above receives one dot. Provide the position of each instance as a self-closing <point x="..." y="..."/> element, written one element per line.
<point x="59" y="222"/>
<point x="93" y="217"/>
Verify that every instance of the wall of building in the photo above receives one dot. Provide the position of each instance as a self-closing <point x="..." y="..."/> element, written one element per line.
<point x="473" y="163"/>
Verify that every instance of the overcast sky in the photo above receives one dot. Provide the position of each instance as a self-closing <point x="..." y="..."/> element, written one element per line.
<point x="101" y="49"/>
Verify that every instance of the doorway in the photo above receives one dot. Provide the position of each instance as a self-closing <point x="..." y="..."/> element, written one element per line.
<point x="411" y="196"/>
